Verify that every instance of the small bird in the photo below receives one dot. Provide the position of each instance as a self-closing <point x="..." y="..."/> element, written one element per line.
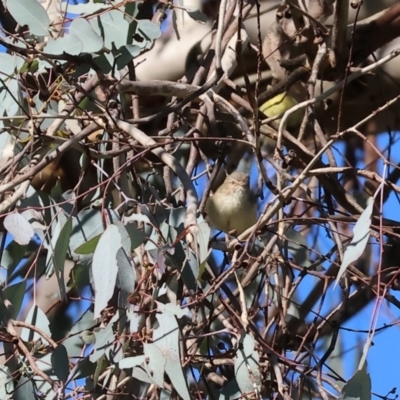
<point x="233" y="207"/>
<point x="280" y="104"/>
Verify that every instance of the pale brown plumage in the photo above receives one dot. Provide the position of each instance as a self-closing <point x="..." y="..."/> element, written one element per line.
<point x="233" y="207"/>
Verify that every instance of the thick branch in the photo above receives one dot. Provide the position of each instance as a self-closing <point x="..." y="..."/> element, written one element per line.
<point x="377" y="33"/>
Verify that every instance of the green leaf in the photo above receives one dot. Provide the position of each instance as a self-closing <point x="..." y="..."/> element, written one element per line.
<point x="131" y="10"/>
<point x="166" y="338"/>
<point x="112" y="27"/>
<point x="37" y="318"/>
<point x="141" y="375"/>
<point x="171" y="309"/>
<point x="196" y="14"/>
<point x="148" y="29"/>
<point x="362" y="231"/>
<point x="246" y="361"/>
<point x="6" y="383"/>
<point x="59" y="220"/>
<point x="79" y="276"/>
<point x="60" y="363"/>
<point x="82" y="369"/>
<point x="60" y="253"/>
<point x="154" y="363"/>
<point x="89" y="247"/>
<point x="25" y="389"/>
<point x="7" y="65"/>
<point x="12" y="97"/>
<point x="103" y="344"/>
<point x="358" y="387"/>
<point x="296" y="245"/>
<point x="15" y="294"/>
<point x="31" y="13"/>
<point x="81" y="28"/>
<point x="130" y="362"/>
<point x="12" y="256"/>
<point x="203" y="238"/>
<point x="137" y="236"/>
<point x="69" y="44"/>
<point x="88" y="224"/>
<point x="126" y="277"/>
<point x="104" y="267"/>
<point x="20" y="229"/>
<point x="175" y="23"/>
<point x="125" y="238"/>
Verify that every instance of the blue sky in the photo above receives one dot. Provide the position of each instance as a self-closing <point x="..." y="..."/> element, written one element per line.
<point x="384" y="356"/>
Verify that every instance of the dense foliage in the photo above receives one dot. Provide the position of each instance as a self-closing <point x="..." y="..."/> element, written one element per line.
<point x="114" y="286"/>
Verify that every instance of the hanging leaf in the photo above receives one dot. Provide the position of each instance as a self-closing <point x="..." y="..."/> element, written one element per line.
<point x="60" y="253"/>
<point x="171" y="309"/>
<point x="15" y="294"/>
<point x="69" y="44"/>
<point x="25" y="389"/>
<point x="89" y="247"/>
<point x="154" y="363"/>
<point x="358" y="387"/>
<point x="175" y="23"/>
<point x="8" y="65"/>
<point x="31" y="13"/>
<point x="196" y="14"/>
<point x="93" y="42"/>
<point x="362" y="231"/>
<point x="296" y="245"/>
<point x="125" y="238"/>
<point x="12" y="255"/>
<point x="247" y="367"/>
<point x="112" y="27"/>
<point x="82" y="369"/>
<point x="88" y="224"/>
<point x="137" y="236"/>
<point x="203" y="237"/>
<point x="148" y="29"/>
<point x="19" y="228"/>
<point x="126" y="277"/>
<point x="166" y="338"/>
<point x="104" y="267"/>
<point x="130" y="362"/>
<point x="103" y="343"/>
<point x="60" y="363"/>
<point x="6" y="383"/>
<point x="35" y="317"/>
<point x="58" y="221"/>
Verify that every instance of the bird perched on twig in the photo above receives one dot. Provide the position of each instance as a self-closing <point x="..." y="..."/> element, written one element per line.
<point x="233" y="207"/>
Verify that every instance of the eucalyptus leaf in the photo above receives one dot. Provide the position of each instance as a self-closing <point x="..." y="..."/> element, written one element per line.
<point x="25" y="389"/>
<point x="60" y="363"/>
<point x="166" y="338"/>
<point x="247" y="367"/>
<point x="358" y="387"/>
<point x="35" y="317"/>
<point x="81" y="28"/>
<point x="15" y="294"/>
<point x="31" y="13"/>
<point x="6" y="383"/>
<point x="196" y="14"/>
<point x="362" y="231"/>
<point x="69" y="44"/>
<point x="105" y="268"/>
<point x="19" y="228"/>
<point x="89" y="247"/>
